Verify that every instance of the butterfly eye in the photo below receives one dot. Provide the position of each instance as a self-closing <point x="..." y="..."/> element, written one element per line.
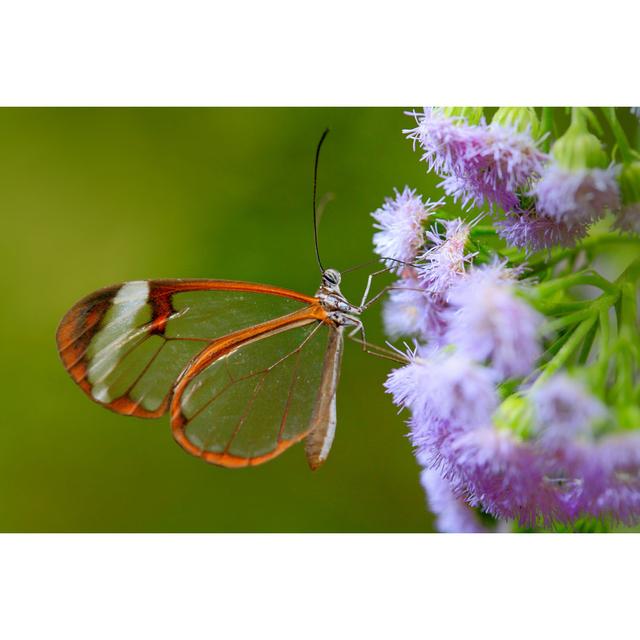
<point x="331" y="277"/>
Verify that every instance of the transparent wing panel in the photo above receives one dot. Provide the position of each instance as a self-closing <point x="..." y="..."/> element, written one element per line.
<point x="250" y="402"/>
<point x="211" y="314"/>
<point x="127" y="345"/>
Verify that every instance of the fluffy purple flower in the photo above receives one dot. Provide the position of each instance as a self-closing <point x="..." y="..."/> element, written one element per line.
<point x="479" y="163"/>
<point x="511" y="479"/>
<point x="399" y="221"/>
<point x="499" y="161"/>
<point x="620" y="501"/>
<point x="605" y="477"/>
<point x="443" y="263"/>
<point x="576" y="197"/>
<point x="462" y="392"/>
<point x="618" y="460"/>
<point x="564" y="409"/>
<point x="628" y="219"/>
<point x="492" y="469"/>
<point x="453" y="515"/>
<point x="535" y="483"/>
<point x="488" y="322"/>
<point x="504" y="476"/>
<point x="410" y="311"/>
<point x="432" y="443"/>
<point x="443" y="139"/>
<point x="535" y="468"/>
<point x="534" y="232"/>
<point x="438" y="385"/>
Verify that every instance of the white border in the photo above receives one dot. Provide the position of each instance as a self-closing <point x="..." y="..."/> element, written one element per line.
<point x="318" y="587"/>
<point x="334" y="52"/>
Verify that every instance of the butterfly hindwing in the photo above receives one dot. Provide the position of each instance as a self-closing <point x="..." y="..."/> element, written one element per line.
<point x="244" y="400"/>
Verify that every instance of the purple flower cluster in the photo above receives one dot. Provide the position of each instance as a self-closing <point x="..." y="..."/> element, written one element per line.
<point x="536" y="457"/>
<point x="451" y="389"/>
<point x="501" y="164"/>
<point x="557" y="472"/>
<point x="478" y="163"/>
<point x="497" y="423"/>
<point x="433" y="262"/>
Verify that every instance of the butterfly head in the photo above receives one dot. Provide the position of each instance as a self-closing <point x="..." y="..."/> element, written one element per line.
<point x="331" y="278"/>
<point x="339" y="309"/>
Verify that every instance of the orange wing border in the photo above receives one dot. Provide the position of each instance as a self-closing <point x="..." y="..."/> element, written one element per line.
<point x="80" y="324"/>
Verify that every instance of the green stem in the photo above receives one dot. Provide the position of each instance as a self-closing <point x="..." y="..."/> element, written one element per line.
<point x="605" y="337"/>
<point x="631" y="274"/>
<point x="578" y="118"/>
<point x="623" y="388"/>
<point x="558" y="344"/>
<point x="619" y="134"/>
<point x="568" y="320"/>
<point x="621" y="293"/>
<point x="546" y="128"/>
<point x="593" y="121"/>
<point x="603" y="302"/>
<point x="588" y="277"/>
<point x="589" y="245"/>
<point x="558" y="361"/>
<point x="600" y="369"/>
<point x="587" y="344"/>
<point x="557" y="308"/>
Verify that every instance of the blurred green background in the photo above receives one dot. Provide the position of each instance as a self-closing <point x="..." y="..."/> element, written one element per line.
<point x="91" y="197"/>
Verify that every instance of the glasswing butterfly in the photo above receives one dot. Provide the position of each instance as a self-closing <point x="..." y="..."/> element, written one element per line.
<point x="245" y="370"/>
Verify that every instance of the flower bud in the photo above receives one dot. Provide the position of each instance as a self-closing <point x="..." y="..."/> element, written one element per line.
<point x="523" y="119"/>
<point x="578" y="149"/>
<point x="515" y="414"/>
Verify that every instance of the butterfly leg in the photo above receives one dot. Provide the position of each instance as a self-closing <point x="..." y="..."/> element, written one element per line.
<point x="365" y="304"/>
<point x="358" y="326"/>
<point x="368" y="287"/>
<point x="379" y="352"/>
<point x="373" y="349"/>
<point x="386" y="290"/>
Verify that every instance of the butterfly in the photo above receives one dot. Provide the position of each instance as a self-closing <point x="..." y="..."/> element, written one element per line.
<point x="244" y="370"/>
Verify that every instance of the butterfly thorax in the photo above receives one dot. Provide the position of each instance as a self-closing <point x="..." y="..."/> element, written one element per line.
<point x="339" y="309"/>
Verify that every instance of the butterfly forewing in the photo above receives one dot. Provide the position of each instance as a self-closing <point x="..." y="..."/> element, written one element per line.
<point x="254" y="401"/>
<point x="126" y="345"/>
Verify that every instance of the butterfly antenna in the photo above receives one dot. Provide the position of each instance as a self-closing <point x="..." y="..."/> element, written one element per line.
<point x="315" y="209"/>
